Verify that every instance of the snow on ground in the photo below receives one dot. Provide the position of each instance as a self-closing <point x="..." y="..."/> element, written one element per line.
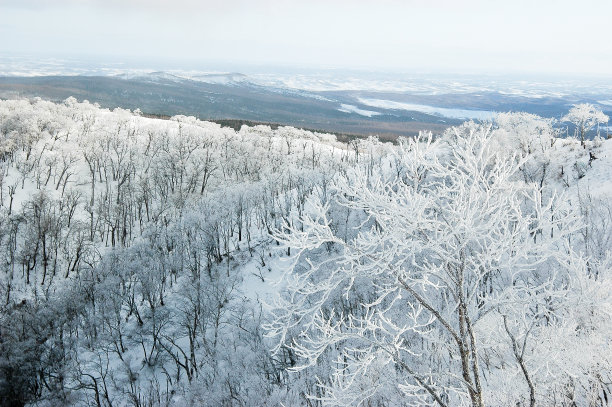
<point x="433" y="110"/>
<point x="150" y="76"/>
<point x="263" y="274"/>
<point x="328" y="80"/>
<point x="354" y="109"/>
<point x="598" y="177"/>
<point x="219" y="78"/>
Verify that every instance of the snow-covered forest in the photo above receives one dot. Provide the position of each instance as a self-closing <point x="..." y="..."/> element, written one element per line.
<point x="149" y="262"/>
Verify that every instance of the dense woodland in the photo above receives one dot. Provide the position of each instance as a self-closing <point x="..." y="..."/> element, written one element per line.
<point x="150" y="262"/>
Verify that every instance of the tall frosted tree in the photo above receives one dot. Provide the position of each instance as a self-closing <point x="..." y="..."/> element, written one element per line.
<point x="445" y="252"/>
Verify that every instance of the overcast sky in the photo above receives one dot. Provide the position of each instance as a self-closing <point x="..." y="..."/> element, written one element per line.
<point x="413" y="35"/>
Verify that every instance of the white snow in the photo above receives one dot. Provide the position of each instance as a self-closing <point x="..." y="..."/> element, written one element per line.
<point x="151" y="76"/>
<point x="354" y="109"/>
<point x="274" y="159"/>
<point x="433" y="110"/>
<point x="219" y="78"/>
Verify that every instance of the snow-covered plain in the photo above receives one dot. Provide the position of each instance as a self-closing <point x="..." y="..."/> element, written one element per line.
<point x="176" y="262"/>
<point x="325" y="80"/>
<point x="438" y="111"/>
<point x="354" y="109"/>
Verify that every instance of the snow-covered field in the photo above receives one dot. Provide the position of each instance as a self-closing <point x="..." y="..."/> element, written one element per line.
<point x="438" y="111"/>
<point x="354" y="109"/>
<point x="324" y="80"/>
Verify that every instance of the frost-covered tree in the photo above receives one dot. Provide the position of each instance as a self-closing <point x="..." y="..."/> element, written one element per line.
<point x="134" y="252"/>
<point x="402" y="305"/>
<point x="585" y="117"/>
<point x="532" y="139"/>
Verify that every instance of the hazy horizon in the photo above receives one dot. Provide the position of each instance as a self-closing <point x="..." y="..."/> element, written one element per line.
<point x="91" y="63"/>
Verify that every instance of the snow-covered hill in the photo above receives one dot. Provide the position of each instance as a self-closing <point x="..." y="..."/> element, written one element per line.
<point x="177" y="262"/>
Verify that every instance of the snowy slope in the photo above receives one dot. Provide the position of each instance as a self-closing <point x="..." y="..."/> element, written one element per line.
<point x="143" y="258"/>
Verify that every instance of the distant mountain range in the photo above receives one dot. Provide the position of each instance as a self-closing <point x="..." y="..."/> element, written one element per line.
<point x="334" y="103"/>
